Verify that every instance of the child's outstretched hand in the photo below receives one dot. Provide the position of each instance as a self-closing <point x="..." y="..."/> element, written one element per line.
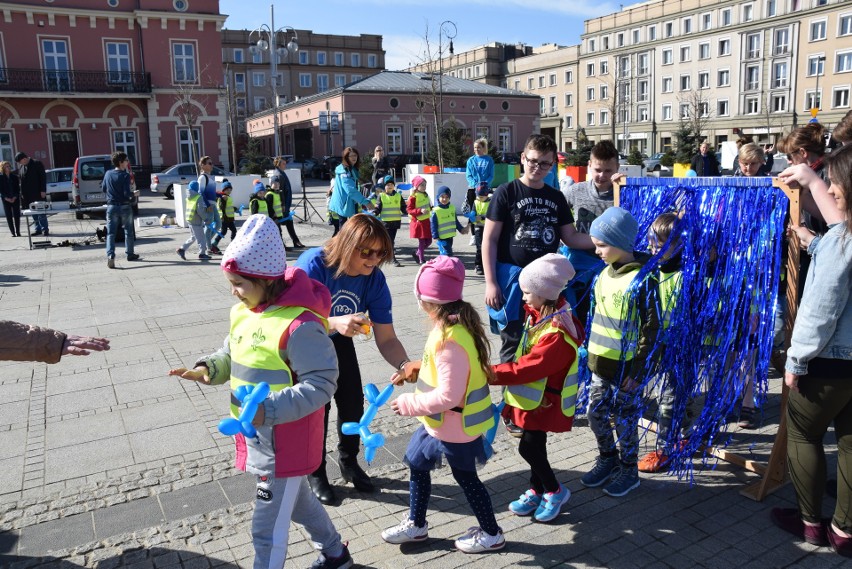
<point x="409" y="373"/>
<point x="198" y="374"/>
<point x="394" y="405"/>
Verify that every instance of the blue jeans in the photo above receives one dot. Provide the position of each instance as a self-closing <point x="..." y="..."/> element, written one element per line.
<point x="40" y="222"/>
<point x="445" y="247"/>
<point x="114" y="214"/>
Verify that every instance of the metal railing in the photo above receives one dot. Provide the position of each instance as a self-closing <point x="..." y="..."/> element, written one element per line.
<point x="51" y="81"/>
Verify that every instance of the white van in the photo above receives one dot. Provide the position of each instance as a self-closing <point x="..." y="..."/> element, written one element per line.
<point x="86" y="190"/>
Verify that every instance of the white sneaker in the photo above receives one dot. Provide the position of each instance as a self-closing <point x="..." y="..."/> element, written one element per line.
<point x="477" y="541"/>
<point x="406" y="532"/>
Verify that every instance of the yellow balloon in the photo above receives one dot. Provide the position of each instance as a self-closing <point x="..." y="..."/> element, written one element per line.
<point x="814" y="111"/>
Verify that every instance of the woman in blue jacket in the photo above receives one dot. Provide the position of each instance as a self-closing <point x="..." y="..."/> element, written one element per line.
<point x="347" y="198"/>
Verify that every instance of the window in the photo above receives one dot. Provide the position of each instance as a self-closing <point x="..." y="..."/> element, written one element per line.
<point x="259" y="104"/>
<point x="183" y="60"/>
<point x="752" y="78"/>
<point x="304" y="80"/>
<point x="686" y="26"/>
<point x="355" y="59"/>
<point x="684" y="82"/>
<point x="590" y="93"/>
<point x="569" y="121"/>
<point x="604" y="116"/>
<point x="652" y="33"/>
<point x="667" y="112"/>
<point x="541" y="81"/>
<point x="356" y="77"/>
<point x="722" y="108"/>
<point x="504" y="138"/>
<point x="635" y="36"/>
<point x="706" y="22"/>
<point x="725" y="16"/>
<point x="372" y="60"/>
<point x="844" y="27"/>
<point x="619" y="40"/>
<point x="569" y="100"/>
<point x="604" y="67"/>
<point x="304" y="57"/>
<point x="256" y="56"/>
<point x="724" y="47"/>
<point x="530" y="83"/>
<point x="684" y="110"/>
<point x="667" y="85"/>
<point x="339" y="80"/>
<point x="606" y="42"/>
<point x="704" y="109"/>
<point x="816" y="65"/>
<point x="642" y="91"/>
<point x="604" y="92"/>
<point x="668" y="29"/>
<point x="238" y="55"/>
<point x="684" y="53"/>
<point x="667" y="57"/>
<point x="779" y="103"/>
<point x="56" y="67"/>
<point x="118" y="62"/>
<point x="644" y="114"/>
<point x="240" y="82"/>
<point x="551" y="79"/>
<point x="779" y="75"/>
<point x="185" y="143"/>
<point x="241" y="106"/>
<point x="753" y="46"/>
<point x="704" y="80"/>
<point x="258" y="78"/>
<point x="322" y="82"/>
<point x="704" y="51"/>
<point x="393" y="140"/>
<point x="590" y="118"/>
<point x="517" y="84"/>
<point x="844" y="62"/>
<point x="817" y="30"/>
<point x="541" y="106"/>
<point x="771" y="8"/>
<point x="569" y="76"/>
<point x="840" y="97"/>
<point x="552" y="101"/>
<point x="592" y="45"/>
<point x="419" y="139"/>
<point x="752" y="106"/>
<point x="6" y="146"/>
<point x="643" y="64"/>
<point x="782" y="42"/>
<point x="813" y="100"/>
<point x="724" y="78"/>
<point x="590" y="70"/>
<point x="748" y="12"/>
<point x="338" y="58"/>
<point x="624" y="66"/>
<point x="125" y="141"/>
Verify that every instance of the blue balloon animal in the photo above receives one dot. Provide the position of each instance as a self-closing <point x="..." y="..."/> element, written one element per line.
<point x="372" y="441"/>
<point x="250" y="396"/>
<point x="241" y="208"/>
<point x="492" y="432"/>
<point x="471" y="215"/>
<point x="287" y="217"/>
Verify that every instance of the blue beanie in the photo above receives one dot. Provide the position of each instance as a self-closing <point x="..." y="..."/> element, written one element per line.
<point x="440" y="192"/>
<point x="193" y="186"/>
<point x="226" y="184"/>
<point x="616" y="227"/>
<point x="259" y="187"/>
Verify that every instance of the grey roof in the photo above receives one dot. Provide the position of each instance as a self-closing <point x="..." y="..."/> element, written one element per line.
<point x="416" y="82"/>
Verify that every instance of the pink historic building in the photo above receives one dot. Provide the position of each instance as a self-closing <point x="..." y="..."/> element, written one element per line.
<point x="82" y="77"/>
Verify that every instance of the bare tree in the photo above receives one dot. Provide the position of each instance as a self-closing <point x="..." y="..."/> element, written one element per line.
<point x="430" y="97"/>
<point x="695" y="112"/>
<point x="768" y="118"/>
<point x="190" y="106"/>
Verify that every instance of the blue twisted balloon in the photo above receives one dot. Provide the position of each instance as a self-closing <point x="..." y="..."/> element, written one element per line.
<point x="372" y="441"/>
<point x="250" y="396"/>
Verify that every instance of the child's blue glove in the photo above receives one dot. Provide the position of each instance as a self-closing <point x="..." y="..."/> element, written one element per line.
<point x="471" y="215"/>
<point x="241" y="208"/>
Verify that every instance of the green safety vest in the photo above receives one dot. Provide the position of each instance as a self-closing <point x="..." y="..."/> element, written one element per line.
<point x="669" y="287"/>
<point x="391" y="206"/>
<point x="480" y="208"/>
<point x="477" y="413"/>
<point x="191" y="207"/>
<point x="229" y="207"/>
<point x="277" y="210"/>
<point x="261" y="206"/>
<point x="254" y="343"/>
<point x="610" y="318"/>
<point x="421" y="201"/>
<point x="530" y="395"/>
<point x="446" y="217"/>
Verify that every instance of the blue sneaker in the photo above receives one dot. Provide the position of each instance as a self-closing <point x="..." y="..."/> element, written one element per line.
<point x="527" y="503"/>
<point x="624" y="481"/>
<point x="551" y="504"/>
<point x="601" y="473"/>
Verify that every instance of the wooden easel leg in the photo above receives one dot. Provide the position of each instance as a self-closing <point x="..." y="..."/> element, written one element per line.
<point x="776" y="469"/>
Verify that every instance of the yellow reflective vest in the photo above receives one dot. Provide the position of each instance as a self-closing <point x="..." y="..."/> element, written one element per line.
<point x="191" y="207"/>
<point x="261" y="205"/>
<point x="611" y="318"/>
<point x="530" y="395"/>
<point x="228" y="209"/>
<point x="477" y="412"/>
<point x="669" y="288"/>
<point x="391" y="207"/>
<point x="277" y="210"/>
<point x="481" y="208"/>
<point x="421" y="201"/>
<point x="446" y="217"/>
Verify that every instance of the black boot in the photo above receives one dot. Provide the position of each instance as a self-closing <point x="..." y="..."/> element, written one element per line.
<point x="352" y="472"/>
<point x="321" y="487"/>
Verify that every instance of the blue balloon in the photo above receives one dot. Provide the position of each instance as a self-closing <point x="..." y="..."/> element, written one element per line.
<point x="384" y="396"/>
<point x="691" y="173"/>
<point x="492" y="432"/>
<point x="372" y="441"/>
<point x="250" y="397"/>
<point x="471" y="215"/>
<point x="350" y="428"/>
<point x="371" y="392"/>
<point x="241" y="208"/>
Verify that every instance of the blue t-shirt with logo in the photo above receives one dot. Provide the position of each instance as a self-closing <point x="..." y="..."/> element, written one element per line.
<point x="363" y="293"/>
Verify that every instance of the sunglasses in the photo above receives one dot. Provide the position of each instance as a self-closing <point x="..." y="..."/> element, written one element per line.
<point x="366" y="252"/>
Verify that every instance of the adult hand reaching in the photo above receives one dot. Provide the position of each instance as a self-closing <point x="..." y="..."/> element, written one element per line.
<point x="83" y="345"/>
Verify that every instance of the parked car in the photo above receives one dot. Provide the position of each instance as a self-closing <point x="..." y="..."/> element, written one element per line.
<point x="324" y="170"/>
<point x="59" y="184"/>
<point x="308" y="167"/>
<point x="510" y="158"/>
<point x="182" y="173"/>
<point x="86" y="178"/>
<point x="652" y="164"/>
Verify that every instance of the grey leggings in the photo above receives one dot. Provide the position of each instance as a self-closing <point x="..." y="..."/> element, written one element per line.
<point x="606" y="403"/>
<point x="809" y="414"/>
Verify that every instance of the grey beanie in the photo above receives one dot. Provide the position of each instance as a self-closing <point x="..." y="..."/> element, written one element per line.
<point x="616" y="227"/>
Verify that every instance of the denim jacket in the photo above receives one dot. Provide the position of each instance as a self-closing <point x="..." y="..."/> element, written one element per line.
<point x="824" y="322"/>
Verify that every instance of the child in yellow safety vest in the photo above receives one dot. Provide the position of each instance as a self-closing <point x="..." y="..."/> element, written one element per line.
<point x="477" y="212"/>
<point x="195" y="214"/>
<point x="452" y="401"/>
<point x="444" y="222"/>
<point x="278" y="335"/>
<point x="541" y="391"/>
<point x="390" y="207"/>
<point x="622" y="334"/>
<point x="419" y="212"/>
<point x="227" y="211"/>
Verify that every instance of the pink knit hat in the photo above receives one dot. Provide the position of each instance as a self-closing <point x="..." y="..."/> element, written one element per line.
<point x="257" y="250"/>
<point x="416" y="181"/>
<point x="440" y="280"/>
<point x="547" y="276"/>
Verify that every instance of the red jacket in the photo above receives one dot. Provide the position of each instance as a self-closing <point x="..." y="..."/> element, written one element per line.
<point x="551" y="357"/>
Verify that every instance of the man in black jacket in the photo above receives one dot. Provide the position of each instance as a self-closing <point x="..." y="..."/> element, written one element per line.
<point x="704" y="163"/>
<point x="33" y="187"/>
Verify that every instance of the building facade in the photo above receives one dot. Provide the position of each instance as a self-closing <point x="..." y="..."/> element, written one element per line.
<point x="398" y="110"/>
<point x="94" y="76"/>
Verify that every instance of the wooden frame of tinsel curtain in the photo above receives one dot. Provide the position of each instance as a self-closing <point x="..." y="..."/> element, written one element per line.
<point x="773" y="473"/>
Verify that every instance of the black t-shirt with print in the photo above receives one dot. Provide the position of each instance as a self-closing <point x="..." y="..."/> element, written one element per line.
<point x="532" y="221"/>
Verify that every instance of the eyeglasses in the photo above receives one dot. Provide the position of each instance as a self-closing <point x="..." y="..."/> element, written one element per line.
<point x="366" y="252"/>
<point x="533" y="164"/>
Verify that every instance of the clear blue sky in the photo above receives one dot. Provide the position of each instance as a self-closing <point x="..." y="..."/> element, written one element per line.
<point x="403" y="23"/>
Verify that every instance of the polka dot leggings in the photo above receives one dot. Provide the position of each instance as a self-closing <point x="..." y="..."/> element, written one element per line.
<point x="420" y="487"/>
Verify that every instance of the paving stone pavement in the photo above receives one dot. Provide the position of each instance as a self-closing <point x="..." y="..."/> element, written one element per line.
<point x="107" y="462"/>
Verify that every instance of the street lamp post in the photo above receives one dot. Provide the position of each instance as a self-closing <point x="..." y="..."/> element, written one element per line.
<point x="267" y="40"/>
<point x="443" y="31"/>
<point x="817" y="103"/>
